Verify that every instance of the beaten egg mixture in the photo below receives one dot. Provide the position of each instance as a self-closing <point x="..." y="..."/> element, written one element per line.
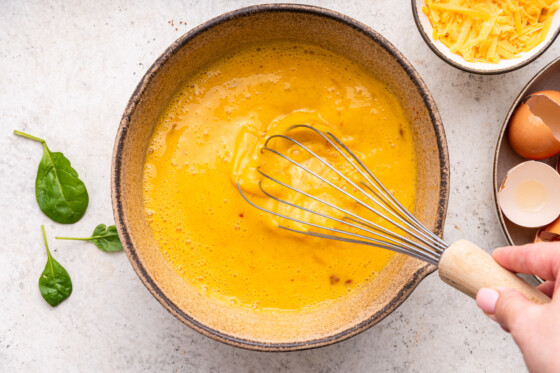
<point x="209" y="138"/>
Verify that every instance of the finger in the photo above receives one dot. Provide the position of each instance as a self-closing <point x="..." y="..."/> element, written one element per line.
<point x="510" y="307"/>
<point x="486" y="300"/>
<point x="542" y="259"/>
<point x="547" y="287"/>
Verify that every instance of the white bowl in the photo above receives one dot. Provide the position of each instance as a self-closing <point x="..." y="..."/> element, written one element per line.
<point x="504" y="66"/>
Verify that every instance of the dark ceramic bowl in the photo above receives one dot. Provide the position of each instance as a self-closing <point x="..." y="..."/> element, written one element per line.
<point x="208" y="42"/>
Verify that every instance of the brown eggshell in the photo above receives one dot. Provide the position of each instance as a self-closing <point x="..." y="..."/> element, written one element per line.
<point x="529" y="136"/>
<point x="553" y="227"/>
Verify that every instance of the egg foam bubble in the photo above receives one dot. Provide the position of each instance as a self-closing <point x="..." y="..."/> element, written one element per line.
<point x="210" y="137"/>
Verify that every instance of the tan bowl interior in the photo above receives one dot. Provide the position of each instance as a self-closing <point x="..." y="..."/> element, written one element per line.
<point x="209" y="42"/>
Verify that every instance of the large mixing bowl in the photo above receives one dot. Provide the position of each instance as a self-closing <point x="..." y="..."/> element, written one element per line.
<point x="281" y="331"/>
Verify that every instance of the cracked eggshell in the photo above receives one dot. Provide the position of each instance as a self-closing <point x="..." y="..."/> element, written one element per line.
<point x="553" y="227"/>
<point x="528" y="135"/>
<point x="530" y="194"/>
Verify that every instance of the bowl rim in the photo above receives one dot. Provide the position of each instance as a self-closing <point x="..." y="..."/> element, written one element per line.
<point x="437" y="51"/>
<point x="117" y="195"/>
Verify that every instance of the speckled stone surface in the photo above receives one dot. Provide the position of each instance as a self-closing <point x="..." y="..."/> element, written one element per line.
<point x="67" y="72"/>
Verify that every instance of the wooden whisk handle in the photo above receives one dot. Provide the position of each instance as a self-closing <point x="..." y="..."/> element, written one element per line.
<point x="468" y="268"/>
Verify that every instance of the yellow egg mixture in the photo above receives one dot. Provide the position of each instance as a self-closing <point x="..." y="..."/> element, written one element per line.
<point x="210" y="137"/>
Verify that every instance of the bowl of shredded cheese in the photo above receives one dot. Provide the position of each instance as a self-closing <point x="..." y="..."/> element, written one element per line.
<point x="487" y="36"/>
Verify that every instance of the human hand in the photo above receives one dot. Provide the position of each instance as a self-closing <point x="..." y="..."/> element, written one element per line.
<point x="534" y="327"/>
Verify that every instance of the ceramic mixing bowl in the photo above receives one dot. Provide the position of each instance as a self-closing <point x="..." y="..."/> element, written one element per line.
<point x="208" y="42"/>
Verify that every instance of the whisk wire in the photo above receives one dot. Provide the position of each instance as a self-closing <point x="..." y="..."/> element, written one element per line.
<point x="366" y="240"/>
<point x="361" y="203"/>
<point x="404" y="225"/>
<point x="398" y="249"/>
<point x="413" y="222"/>
<point x="387" y="198"/>
<point x="384" y="194"/>
<point x="440" y="245"/>
<point x="365" y="225"/>
<point x="423" y="245"/>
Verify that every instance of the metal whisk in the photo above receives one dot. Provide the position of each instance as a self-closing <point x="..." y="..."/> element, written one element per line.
<point x="462" y="264"/>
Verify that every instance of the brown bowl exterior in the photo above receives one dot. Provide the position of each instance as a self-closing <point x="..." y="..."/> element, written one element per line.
<point x="208" y="42"/>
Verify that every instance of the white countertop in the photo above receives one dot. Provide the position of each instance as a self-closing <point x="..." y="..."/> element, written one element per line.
<point x="67" y="71"/>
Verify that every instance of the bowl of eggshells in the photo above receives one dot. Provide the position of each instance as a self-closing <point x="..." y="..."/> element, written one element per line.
<point x="527" y="162"/>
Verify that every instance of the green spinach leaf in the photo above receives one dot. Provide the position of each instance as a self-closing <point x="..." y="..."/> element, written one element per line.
<point x="55" y="284"/>
<point x="105" y="238"/>
<point x="61" y="195"/>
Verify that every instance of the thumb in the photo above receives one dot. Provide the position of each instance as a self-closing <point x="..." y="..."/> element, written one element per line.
<point x="504" y="306"/>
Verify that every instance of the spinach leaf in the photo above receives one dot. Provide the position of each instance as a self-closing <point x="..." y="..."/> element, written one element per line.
<point x="105" y="238"/>
<point x="61" y="195"/>
<point x="55" y="284"/>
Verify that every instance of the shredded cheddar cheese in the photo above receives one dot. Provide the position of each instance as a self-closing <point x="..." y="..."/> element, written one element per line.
<point x="489" y="30"/>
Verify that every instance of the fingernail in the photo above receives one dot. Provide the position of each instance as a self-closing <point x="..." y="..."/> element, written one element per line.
<point x="486" y="299"/>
